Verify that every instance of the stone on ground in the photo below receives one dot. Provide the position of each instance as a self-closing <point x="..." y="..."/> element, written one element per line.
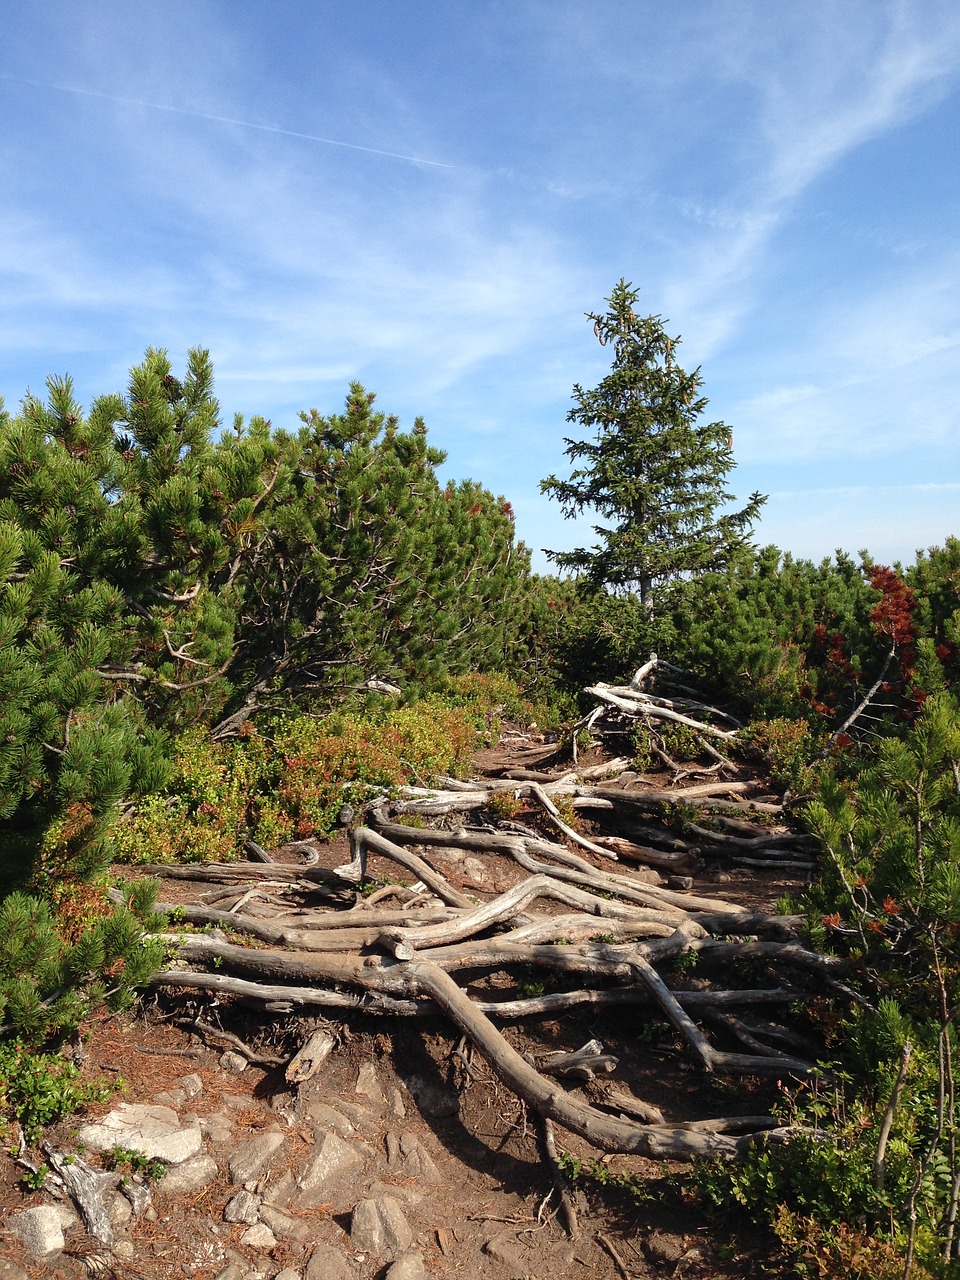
<point x="407" y="1155"/>
<point x="153" y="1131"/>
<point x="328" y="1263"/>
<point x="410" y="1267"/>
<point x="284" y="1225"/>
<point x="251" y="1157"/>
<point x="378" y="1226"/>
<point x="333" y="1162"/>
<point x="192" y="1175"/>
<point x="244" y="1207"/>
<point x="39" y="1230"/>
<point x="259" y="1237"/>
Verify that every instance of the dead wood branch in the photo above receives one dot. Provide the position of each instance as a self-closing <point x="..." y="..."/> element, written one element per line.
<point x="256" y="852"/>
<point x="364" y="838"/>
<point x="635" y="706"/>
<point x="550" y="1101"/>
<point x="573" y="871"/>
<point x="607" y="936"/>
<point x="88" y="1188"/>
<point x="558" y="1177"/>
<point x="861" y="706"/>
<point x="310" y="1057"/>
<point x="582" y="1064"/>
<point x="206" y="1032"/>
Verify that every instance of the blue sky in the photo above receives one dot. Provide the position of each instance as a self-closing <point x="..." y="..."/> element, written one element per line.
<point x="428" y="198"/>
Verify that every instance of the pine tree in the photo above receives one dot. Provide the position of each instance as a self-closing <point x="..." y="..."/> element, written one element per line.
<point x="158" y="574"/>
<point x="655" y="473"/>
<point x="363" y="566"/>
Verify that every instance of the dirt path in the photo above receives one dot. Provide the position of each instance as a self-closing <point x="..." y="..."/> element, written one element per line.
<point x="408" y="1120"/>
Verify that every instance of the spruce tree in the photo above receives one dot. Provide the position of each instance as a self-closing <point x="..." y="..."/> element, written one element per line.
<point x="655" y="472"/>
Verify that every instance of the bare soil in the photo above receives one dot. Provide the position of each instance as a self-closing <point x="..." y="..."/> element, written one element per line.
<point x="497" y="1186"/>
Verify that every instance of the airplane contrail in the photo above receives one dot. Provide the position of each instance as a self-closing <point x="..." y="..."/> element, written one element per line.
<point x="242" y="124"/>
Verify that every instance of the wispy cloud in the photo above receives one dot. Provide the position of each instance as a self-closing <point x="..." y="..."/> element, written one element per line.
<point x="430" y="204"/>
<point x="227" y="120"/>
<point x="888" y="362"/>
<point x="827" y="81"/>
<point x="859" y="79"/>
<point x="864" y="490"/>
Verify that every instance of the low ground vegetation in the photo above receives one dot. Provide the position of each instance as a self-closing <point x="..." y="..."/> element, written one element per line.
<point x="214" y="645"/>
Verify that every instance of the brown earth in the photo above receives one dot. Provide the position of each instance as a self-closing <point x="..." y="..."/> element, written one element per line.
<point x="494" y="1211"/>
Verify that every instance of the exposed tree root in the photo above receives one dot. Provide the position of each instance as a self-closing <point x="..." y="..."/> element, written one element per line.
<point x="602" y="937"/>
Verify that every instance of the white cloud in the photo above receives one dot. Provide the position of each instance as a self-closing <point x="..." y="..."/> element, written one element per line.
<point x="892" y="522"/>
<point x="682" y="149"/>
<point x="889" y="364"/>
<point x="827" y="79"/>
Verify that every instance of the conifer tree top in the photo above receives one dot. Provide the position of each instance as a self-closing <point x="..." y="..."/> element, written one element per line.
<point x="655" y="472"/>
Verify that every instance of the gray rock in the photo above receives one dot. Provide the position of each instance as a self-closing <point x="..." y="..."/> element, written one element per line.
<point x="175" y="1098"/>
<point x="505" y="1248"/>
<point x="244" y="1207"/>
<point x="328" y="1263"/>
<point x="647" y="875"/>
<point x="410" y="1267"/>
<point x="192" y="1085"/>
<point x="252" y="1156"/>
<point x="360" y="1115"/>
<point x="217" y="1127"/>
<point x="235" y="1063"/>
<point x="69" y="1218"/>
<point x="125" y="1249"/>
<point x="238" y="1268"/>
<point x="475" y="869"/>
<point x="285" y="1225"/>
<point x="407" y="1155"/>
<point x="323" y="1117"/>
<point x="259" y="1237"/>
<point x="368" y="1084"/>
<point x="679" y="882"/>
<point x="232" y="1271"/>
<point x="10" y="1271"/>
<point x="39" y="1230"/>
<point x="281" y="1192"/>
<point x="154" y="1131"/>
<point x="378" y="1226"/>
<point x="235" y="1102"/>
<point x="192" y="1175"/>
<point x="396" y="1104"/>
<point x="119" y="1211"/>
<point x="409" y="1197"/>
<point x="288" y="1273"/>
<point x="333" y="1161"/>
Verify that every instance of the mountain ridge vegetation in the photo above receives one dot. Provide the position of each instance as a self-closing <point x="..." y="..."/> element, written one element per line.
<point x="212" y="640"/>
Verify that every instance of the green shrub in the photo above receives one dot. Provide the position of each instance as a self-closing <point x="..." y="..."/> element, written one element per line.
<point x="292" y="780"/>
<point x="136" y="1162"/>
<point x="53" y="972"/>
<point x="788" y="749"/>
<point x="37" y="1089"/>
<point x="206" y="808"/>
<point x="888" y="899"/>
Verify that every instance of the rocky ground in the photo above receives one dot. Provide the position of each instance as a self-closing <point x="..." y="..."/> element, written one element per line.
<point x="404" y="1157"/>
